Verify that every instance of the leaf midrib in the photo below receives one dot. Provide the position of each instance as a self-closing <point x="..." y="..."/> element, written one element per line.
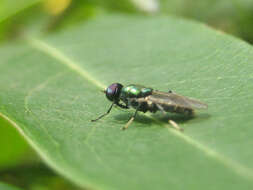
<point x="50" y="50"/>
<point x="58" y="55"/>
<point x="53" y="52"/>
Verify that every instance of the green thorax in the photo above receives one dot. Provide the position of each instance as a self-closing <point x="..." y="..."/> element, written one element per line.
<point x="134" y="91"/>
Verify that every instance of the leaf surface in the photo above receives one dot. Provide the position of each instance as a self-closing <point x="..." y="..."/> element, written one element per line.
<point x="50" y="90"/>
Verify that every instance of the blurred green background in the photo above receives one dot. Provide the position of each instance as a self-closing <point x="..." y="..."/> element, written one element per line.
<point x="19" y="165"/>
<point x="41" y="16"/>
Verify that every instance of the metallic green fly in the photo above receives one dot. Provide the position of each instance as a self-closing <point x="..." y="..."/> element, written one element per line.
<point x="146" y="99"/>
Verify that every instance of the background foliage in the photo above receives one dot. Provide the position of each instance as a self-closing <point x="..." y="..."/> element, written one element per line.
<point x="45" y="18"/>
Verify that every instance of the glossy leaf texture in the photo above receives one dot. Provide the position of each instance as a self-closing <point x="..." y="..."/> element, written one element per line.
<point x="50" y="90"/>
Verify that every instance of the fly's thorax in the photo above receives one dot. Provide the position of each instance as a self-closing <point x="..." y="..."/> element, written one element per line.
<point x="134" y="91"/>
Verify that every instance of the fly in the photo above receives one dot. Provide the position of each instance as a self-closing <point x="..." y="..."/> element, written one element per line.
<point x="145" y="99"/>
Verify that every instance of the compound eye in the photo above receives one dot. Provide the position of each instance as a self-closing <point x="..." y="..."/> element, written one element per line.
<point x="113" y="91"/>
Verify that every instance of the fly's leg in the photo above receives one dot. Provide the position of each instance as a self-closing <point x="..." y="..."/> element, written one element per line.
<point x="130" y="120"/>
<point x="108" y="111"/>
<point x="173" y="123"/>
<point x="122" y="106"/>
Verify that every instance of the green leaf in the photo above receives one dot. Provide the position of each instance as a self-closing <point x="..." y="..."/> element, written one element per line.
<point x="11" y="7"/>
<point x="13" y="147"/>
<point x="10" y="16"/>
<point x="7" y="187"/>
<point x="50" y="90"/>
<point x="234" y="17"/>
<point x="35" y="176"/>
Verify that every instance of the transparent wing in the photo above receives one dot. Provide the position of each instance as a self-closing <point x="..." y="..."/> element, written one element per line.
<point x="173" y="99"/>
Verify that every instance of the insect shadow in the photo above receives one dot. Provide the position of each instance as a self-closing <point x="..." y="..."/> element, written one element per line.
<point x="124" y="117"/>
<point x="147" y="121"/>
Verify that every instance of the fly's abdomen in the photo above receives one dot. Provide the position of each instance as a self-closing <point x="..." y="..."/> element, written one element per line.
<point x="178" y="109"/>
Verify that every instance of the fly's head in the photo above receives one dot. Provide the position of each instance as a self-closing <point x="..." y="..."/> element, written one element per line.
<point x="113" y="92"/>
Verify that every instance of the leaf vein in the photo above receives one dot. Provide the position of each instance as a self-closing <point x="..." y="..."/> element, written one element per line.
<point x="227" y="162"/>
<point x="53" y="52"/>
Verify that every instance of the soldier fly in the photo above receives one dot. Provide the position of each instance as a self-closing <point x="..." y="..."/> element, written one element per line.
<point x="146" y="99"/>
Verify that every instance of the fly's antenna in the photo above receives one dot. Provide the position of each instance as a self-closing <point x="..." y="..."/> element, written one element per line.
<point x="104" y="91"/>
